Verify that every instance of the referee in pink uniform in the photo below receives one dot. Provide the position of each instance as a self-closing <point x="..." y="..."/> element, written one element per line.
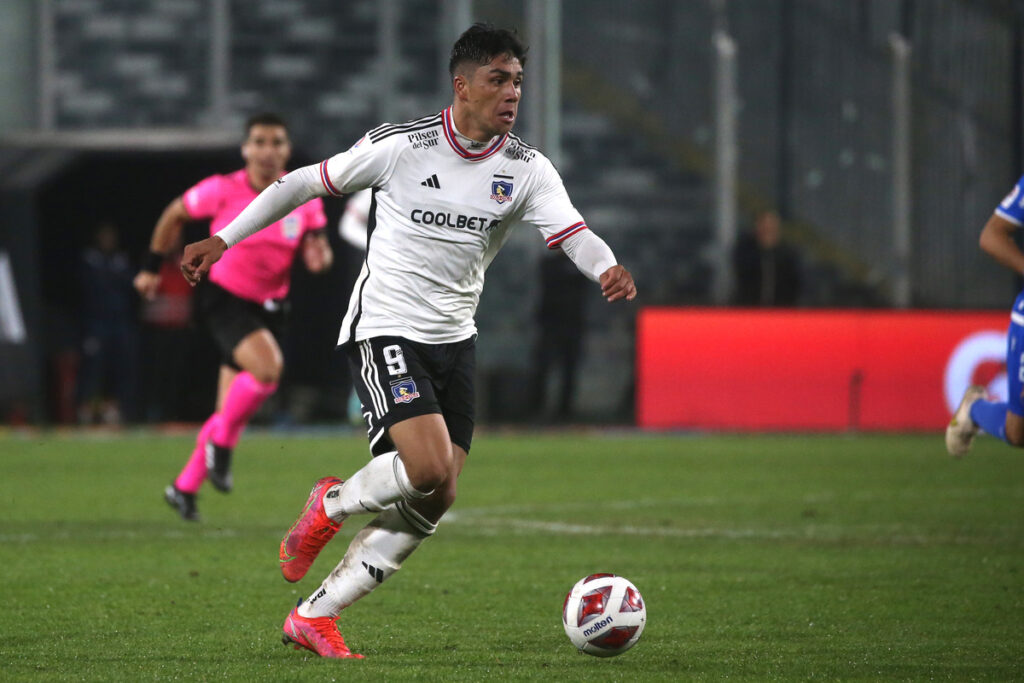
<point x="243" y="302"/>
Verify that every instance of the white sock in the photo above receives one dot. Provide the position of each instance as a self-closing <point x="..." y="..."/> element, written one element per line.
<point x="374" y="554"/>
<point x="381" y="482"/>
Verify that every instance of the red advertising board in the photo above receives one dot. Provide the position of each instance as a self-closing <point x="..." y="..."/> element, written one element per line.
<point x="747" y="369"/>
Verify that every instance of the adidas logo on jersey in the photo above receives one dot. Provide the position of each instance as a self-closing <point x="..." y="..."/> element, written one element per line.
<point x="433" y="182"/>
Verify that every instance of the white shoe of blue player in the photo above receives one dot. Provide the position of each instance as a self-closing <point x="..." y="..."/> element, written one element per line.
<point x="961" y="430"/>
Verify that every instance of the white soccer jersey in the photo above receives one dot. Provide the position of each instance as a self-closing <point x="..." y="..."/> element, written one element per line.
<point x="442" y="207"/>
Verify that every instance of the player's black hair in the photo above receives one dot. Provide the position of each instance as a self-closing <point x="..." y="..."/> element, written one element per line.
<point x="264" y="119"/>
<point x="483" y="42"/>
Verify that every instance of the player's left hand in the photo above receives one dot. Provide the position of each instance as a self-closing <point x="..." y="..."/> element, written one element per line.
<point x="617" y="283"/>
<point x="199" y="256"/>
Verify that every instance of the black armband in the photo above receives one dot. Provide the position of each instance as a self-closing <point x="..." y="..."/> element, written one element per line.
<point x="153" y="262"/>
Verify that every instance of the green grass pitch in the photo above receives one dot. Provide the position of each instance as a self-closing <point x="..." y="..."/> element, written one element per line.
<point x="759" y="557"/>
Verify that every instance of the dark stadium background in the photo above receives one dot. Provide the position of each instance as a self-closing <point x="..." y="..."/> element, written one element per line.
<point x="112" y="108"/>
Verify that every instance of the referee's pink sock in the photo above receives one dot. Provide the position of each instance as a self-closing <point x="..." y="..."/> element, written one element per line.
<point x="245" y="395"/>
<point x="192" y="476"/>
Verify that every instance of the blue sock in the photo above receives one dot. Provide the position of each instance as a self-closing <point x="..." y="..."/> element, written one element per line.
<point x="991" y="417"/>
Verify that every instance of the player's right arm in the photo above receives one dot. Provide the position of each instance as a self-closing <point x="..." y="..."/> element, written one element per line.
<point x="996" y="238"/>
<point x="361" y="166"/>
<point x="165" y="237"/>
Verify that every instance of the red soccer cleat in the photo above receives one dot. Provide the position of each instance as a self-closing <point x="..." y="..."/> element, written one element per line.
<point x="309" y="534"/>
<point x="316" y="634"/>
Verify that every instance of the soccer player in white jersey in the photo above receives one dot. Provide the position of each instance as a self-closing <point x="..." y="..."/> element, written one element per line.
<point x="446" y="190"/>
<point x="1004" y="420"/>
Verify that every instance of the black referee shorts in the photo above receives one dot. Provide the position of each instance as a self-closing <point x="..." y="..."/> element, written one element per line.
<point x="397" y="379"/>
<point x="230" y="319"/>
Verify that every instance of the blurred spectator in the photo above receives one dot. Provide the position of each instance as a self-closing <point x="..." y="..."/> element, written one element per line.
<point x="560" y="320"/>
<point x="766" y="268"/>
<point x="106" y="382"/>
<point x="166" y="319"/>
<point x="352" y="226"/>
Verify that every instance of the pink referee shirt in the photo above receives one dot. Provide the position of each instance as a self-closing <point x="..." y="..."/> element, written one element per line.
<point x="258" y="268"/>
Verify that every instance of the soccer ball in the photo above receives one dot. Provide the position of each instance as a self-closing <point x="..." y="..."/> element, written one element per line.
<point x="604" y="615"/>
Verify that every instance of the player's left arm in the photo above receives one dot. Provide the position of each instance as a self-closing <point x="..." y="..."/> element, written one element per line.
<point x="997" y="238"/>
<point x="316" y="251"/>
<point x="548" y="207"/>
<point x="997" y="241"/>
<point x="594" y="258"/>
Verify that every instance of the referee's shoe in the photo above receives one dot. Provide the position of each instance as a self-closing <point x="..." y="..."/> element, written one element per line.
<point x="218" y="467"/>
<point x="184" y="503"/>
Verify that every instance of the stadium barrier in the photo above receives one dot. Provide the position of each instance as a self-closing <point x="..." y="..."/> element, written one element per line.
<point x="822" y="370"/>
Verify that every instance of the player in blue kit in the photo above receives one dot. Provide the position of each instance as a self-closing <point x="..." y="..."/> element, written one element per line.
<point x="1004" y="420"/>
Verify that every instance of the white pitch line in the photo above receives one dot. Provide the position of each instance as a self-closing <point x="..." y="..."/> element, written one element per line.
<point x="478" y="520"/>
<point x="505" y="525"/>
<point x="119" y="535"/>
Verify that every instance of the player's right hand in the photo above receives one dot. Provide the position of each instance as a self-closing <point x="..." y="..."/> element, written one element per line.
<point x="199" y="256"/>
<point x="146" y="284"/>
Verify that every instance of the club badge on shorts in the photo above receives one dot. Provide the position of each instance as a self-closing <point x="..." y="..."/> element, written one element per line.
<point x="404" y="390"/>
